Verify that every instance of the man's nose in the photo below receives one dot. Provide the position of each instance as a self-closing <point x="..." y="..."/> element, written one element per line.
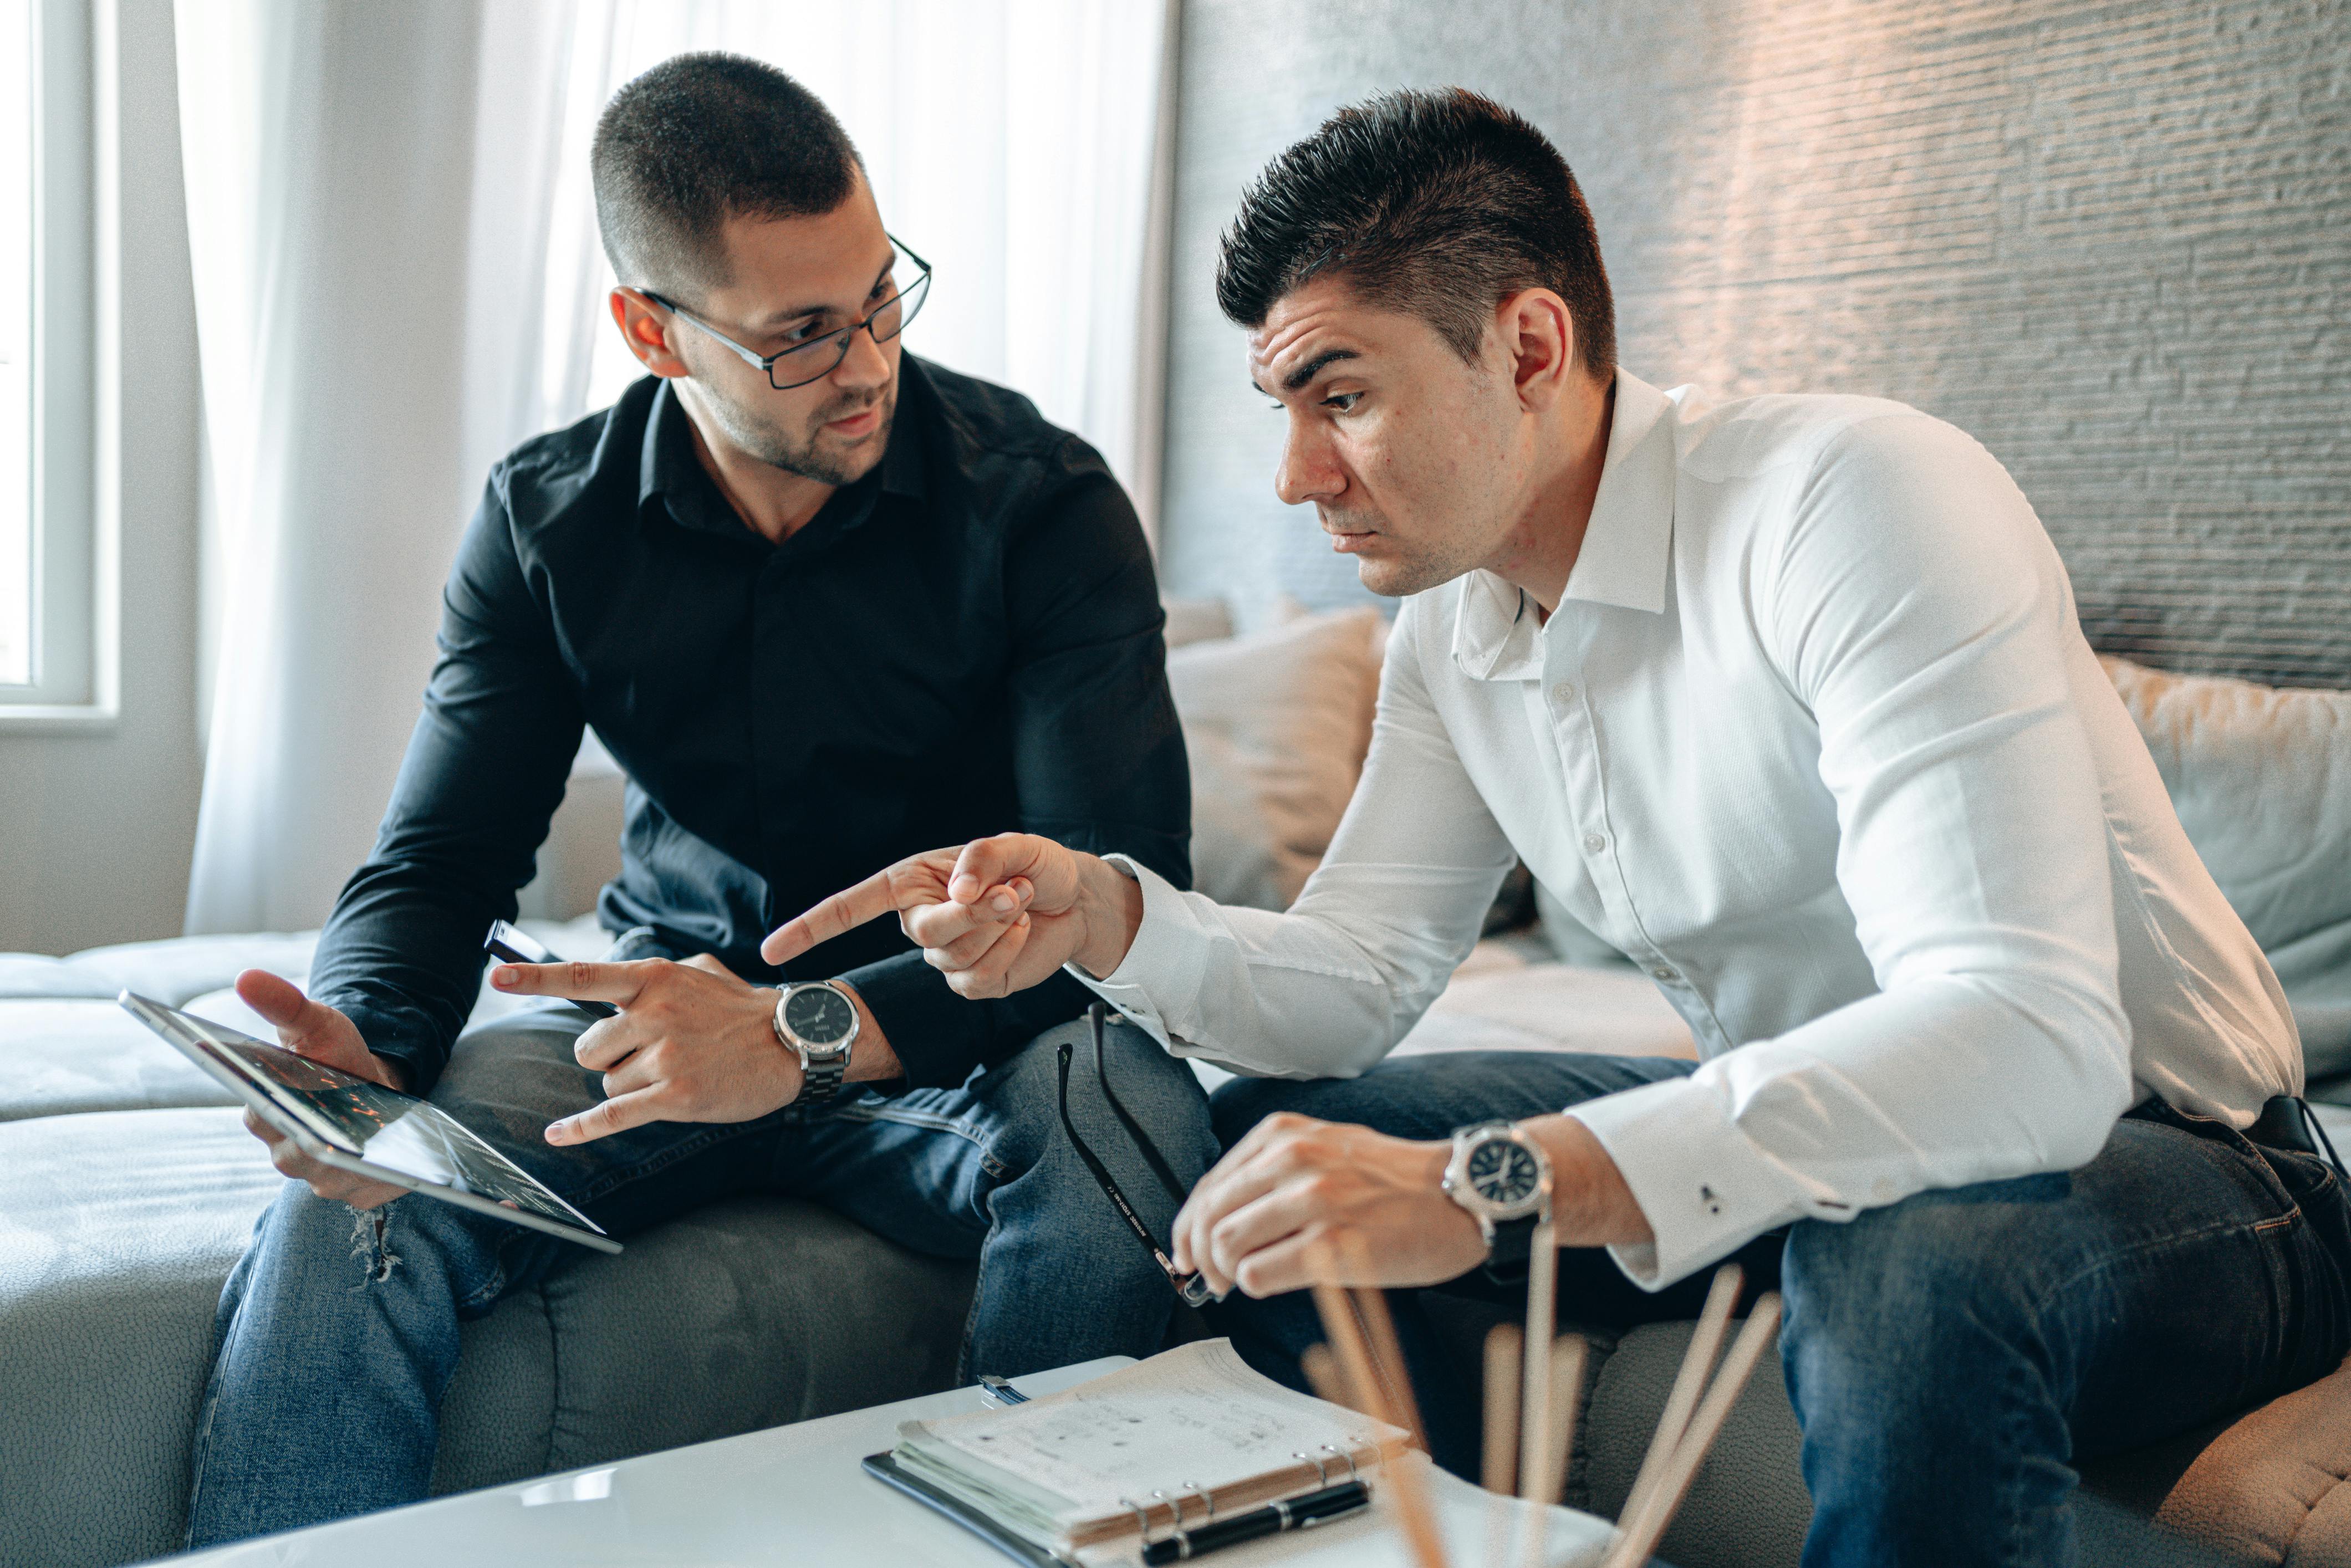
<point x="865" y="365"/>
<point x="1307" y="471"/>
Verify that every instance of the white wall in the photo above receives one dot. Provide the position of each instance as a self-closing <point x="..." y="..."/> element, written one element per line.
<point x="96" y="826"/>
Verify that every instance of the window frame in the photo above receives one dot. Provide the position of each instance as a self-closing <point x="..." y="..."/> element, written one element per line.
<point x="73" y="676"/>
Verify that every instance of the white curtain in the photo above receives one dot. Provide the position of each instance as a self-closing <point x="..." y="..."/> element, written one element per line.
<point x="397" y="278"/>
<point x="1022" y="146"/>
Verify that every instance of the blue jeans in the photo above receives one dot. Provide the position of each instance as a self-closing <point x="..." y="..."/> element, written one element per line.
<point x="338" y="1330"/>
<point x="1952" y="1355"/>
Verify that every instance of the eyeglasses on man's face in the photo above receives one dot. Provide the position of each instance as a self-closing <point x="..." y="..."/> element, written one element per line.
<point x="822" y="347"/>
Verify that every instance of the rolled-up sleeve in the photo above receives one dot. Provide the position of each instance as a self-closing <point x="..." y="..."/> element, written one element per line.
<point x="1915" y="605"/>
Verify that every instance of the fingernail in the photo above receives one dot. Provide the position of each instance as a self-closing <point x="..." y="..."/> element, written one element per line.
<point x="1004" y="902"/>
<point x="503" y="975"/>
<point x="964" y="889"/>
<point x="556" y="1131"/>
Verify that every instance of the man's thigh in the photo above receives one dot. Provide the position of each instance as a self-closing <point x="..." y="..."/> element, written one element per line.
<point x="1428" y="1097"/>
<point x="507" y="1078"/>
<point x="2180" y="1275"/>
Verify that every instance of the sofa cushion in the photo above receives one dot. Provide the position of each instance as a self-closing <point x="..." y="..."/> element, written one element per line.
<point x="2261" y="779"/>
<point x="1276" y="723"/>
<point x="59" y="1057"/>
<point x="767" y="1310"/>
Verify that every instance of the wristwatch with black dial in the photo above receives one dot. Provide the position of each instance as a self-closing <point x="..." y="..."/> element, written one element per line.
<point x="1503" y="1178"/>
<point x="817" y="1022"/>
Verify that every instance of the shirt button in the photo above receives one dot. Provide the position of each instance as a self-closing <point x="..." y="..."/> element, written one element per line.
<point x="1662" y="972"/>
<point x="1565" y="692"/>
<point x="1594" y="842"/>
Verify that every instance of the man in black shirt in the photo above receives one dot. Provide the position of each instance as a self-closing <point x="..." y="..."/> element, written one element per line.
<point x="826" y="605"/>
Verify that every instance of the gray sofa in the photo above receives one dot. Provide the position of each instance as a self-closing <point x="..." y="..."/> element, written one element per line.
<point x="127" y="1190"/>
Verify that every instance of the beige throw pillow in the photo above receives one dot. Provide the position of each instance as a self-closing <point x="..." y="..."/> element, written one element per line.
<point x="1276" y="723"/>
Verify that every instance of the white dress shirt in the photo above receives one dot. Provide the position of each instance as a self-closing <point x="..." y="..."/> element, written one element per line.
<point x="1814" y="738"/>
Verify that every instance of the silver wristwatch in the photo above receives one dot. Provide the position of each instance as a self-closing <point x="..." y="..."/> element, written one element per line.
<point x="1503" y="1178"/>
<point x="816" y="1021"/>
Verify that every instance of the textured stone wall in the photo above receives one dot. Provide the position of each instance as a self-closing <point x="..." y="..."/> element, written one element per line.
<point x="2112" y="241"/>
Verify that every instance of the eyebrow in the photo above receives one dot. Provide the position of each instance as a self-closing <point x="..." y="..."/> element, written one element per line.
<point x="775" y="318"/>
<point x="1310" y="368"/>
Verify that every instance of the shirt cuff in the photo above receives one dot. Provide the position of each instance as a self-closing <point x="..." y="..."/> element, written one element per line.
<point x="397" y="1037"/>
<point x="1161" y="965"/>
<point x="1702" y="1184"/>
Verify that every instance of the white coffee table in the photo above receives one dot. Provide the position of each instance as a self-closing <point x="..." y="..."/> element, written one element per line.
<point x="788" y="1495"/>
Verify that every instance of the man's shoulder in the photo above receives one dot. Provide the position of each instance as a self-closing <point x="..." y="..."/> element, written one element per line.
<point x="1749" y="437"/>
<point x="983" y="424"/>
<point x="599" y="452"/>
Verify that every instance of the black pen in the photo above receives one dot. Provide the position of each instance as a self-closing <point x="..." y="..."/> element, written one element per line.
<point x="1295" y="1513"/>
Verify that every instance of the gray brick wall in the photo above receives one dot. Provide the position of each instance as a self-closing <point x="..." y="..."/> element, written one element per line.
<point x="2111" y="241"/>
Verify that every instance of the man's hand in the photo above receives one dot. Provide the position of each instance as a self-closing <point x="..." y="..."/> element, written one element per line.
<point x="691" y="1043"/>
<point x="317" y="1032"/>
<point x="1299" y="1202"/>
<point x="996" y="916"/>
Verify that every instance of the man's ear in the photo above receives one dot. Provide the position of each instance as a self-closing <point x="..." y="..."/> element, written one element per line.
<point x="644" y="327"/>
<point x="1538" y="333"/>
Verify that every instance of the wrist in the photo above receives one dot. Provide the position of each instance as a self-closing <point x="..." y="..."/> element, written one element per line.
<point x="871" y="1059"/>
<point x="1110" y="904"/>
<point x="1592" y="1203"/>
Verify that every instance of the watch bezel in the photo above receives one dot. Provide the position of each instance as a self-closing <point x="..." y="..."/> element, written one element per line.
<point x="1467" y="1142"/>
<point x="809" y="1050"/>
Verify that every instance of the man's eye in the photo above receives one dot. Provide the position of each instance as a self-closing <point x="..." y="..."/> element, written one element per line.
<point x="1343" y="402"/>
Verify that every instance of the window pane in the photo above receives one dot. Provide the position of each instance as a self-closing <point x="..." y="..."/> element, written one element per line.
<point x="15" y="342"/>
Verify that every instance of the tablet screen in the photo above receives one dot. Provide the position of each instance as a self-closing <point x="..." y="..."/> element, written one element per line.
<point x="388" y="1129"/>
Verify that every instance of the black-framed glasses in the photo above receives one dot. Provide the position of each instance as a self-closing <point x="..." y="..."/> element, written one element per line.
<point x="821" y="356"/>
<point x="1191" y="1288"/>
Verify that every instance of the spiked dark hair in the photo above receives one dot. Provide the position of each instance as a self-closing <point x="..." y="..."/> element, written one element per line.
<point x="1434" y="202"/>
<point x="700" y="139"/>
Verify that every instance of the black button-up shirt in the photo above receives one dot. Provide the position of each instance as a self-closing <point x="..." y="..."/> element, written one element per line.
<point x="964" y="641"/>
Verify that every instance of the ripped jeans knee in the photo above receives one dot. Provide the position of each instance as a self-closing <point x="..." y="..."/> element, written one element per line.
<point x="372" y="1245"/>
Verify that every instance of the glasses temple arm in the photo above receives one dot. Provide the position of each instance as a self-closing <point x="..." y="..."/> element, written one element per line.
<point x="1095" y="1015"/>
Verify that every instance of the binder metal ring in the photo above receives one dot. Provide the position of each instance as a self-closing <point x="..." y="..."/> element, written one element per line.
<point x="1321" y="1466"/>
<point x="1345" y="1458"/>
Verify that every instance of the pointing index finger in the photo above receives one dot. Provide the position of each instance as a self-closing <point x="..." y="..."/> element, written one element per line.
<point x="615" y="983"/>
<point x="844" y="911"/>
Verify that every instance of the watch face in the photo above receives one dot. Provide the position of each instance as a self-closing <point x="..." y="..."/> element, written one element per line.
<point x="1503" y="1173"/>
<point x="819" y="1015"/>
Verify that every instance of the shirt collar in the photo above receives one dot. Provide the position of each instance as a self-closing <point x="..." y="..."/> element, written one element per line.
<point x="669" y="475"/>
<point x="1625" y="560"/>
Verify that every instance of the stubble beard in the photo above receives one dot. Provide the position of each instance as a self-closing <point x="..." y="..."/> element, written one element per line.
<point x="777" y="449"/>
<point x="1408" y="567"/>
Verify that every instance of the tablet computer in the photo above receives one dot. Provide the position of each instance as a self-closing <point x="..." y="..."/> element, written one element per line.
<point x="366" y="1129"/>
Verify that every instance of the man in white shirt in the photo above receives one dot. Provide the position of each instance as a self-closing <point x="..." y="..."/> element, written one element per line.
<point x="1785" y="697"/>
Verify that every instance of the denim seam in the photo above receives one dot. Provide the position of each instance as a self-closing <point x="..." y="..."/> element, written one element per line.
<point x="554" y="1379"/>
<point x="988" y="1161"/>
<point x="205" y="1432"/>
<point x="612" y="1181"/>
<point x="2155" y="1244"/>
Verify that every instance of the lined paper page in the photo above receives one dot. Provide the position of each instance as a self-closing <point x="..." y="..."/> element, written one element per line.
<point x="1195" y="1418"/>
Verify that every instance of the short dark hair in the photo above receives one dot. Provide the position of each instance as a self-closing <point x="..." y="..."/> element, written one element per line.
<point x="1434" y="202"/>
<point x="698" y="139"/>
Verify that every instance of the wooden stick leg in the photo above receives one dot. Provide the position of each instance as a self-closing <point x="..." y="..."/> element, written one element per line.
<point x="1503" y="1347"/>
<point x="1640" y="1535"/>
<point x="1698" y="1365"/>
<point x="1542" y="1303"/>
<point x="1567" y="1358"/>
